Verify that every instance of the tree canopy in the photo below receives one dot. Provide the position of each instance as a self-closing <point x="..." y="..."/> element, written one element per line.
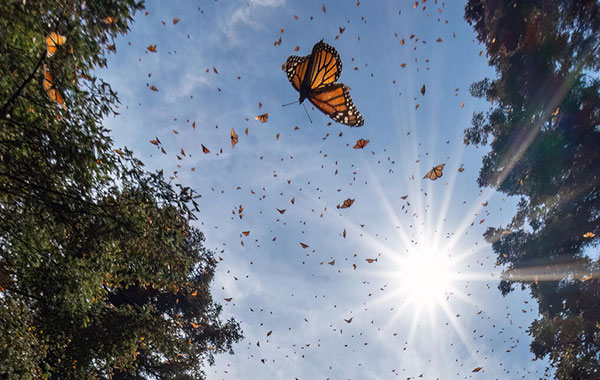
<point x="102" y="273"/>
<point x="544" y="132"/>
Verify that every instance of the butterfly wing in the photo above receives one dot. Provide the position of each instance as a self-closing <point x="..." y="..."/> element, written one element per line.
<point x="438" y="170"/>
<point x="335" y="101"/>
<point x="295" y="68"/>
<point x="326" y="66"/>
<point x="47" y="81"/>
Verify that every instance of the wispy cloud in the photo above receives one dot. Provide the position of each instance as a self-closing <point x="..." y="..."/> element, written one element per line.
<point x="249" y="14"/>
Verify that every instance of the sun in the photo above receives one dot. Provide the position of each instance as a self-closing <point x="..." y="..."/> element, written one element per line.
<point x="425" y="276"/>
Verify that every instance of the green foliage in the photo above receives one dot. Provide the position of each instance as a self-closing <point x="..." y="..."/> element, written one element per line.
<point x="545" y="137"/>
<point x="101" y="273"/>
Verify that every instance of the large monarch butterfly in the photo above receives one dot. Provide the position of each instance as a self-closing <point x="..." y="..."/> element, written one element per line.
<point x="435" y="173"/>
<point x="314" y="76"/>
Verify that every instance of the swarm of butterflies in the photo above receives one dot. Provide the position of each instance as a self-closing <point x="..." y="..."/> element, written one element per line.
<point x="315" y="77"/>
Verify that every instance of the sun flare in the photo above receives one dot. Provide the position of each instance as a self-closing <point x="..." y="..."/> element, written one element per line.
<point x="425" y="277"/>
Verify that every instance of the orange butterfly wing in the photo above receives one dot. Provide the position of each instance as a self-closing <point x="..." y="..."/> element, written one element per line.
<point x="326" y="66"/>
<point x="47" y="81"/>
<point x="439" y="170"/>
<point x="335" y="101"/>
<point x="296" y="68"/>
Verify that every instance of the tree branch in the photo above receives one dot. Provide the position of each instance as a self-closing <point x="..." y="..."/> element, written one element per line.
<point x="5" y="106"/>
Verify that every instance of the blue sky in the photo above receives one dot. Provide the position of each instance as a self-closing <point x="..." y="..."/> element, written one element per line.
<point x="396" y="331"/>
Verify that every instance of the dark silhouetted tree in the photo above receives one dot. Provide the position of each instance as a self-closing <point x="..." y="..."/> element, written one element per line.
<point x="101" y="273"/>
<point x="544" y="133"/>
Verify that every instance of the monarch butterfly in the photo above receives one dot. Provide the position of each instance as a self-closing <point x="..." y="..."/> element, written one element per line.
<point x="360" y="144"/>
<point x="205" y="150"/>
<point x="110" y="20"/>
<point x="234" y="138"/>
<point x="51" y="90"/>
<point x="435" y="173"/>
<point x="347" y="203"/>
<point x="53" y="40"/>
<point x="263" y="118"/>
<point x="314" y="76"/>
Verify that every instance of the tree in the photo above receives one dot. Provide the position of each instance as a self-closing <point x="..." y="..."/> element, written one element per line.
<point x="544" y="127"/>
<point x="102" y="274"/>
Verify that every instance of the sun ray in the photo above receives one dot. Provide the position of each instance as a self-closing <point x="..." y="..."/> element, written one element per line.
<point x="557" y="272"/>
<point x="352" y="226"/>
<point x="387" y="205"/>
<point x="449" y="191"/>
<point x="475" y="209"/>
<point x="518" y="150"/>
<point x="414" y="322"/>
<point x="466" y="253"/>
<point x="452" y="318"/>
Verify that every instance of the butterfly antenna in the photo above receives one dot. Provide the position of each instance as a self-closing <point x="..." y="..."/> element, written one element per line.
<point x="287" y="104"/>
<point x="305" y="110"/>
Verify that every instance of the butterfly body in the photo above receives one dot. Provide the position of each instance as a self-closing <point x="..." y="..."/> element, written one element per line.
<point x="314" y="77"/>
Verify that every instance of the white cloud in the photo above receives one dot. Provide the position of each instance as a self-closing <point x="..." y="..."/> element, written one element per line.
<point x="248" y="14"/>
